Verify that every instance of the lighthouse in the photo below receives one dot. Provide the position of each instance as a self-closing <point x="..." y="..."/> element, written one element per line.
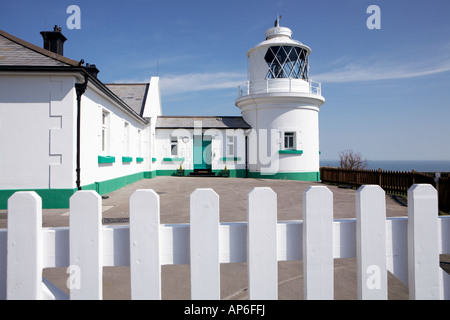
<point x="281" y="104"/>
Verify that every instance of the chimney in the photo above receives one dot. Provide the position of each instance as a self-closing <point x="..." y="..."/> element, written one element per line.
<point x="92" y="69"/>
<point x="54" y="40"/>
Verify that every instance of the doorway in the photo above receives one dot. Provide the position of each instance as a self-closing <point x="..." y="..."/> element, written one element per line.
<point x="202" y="153"/>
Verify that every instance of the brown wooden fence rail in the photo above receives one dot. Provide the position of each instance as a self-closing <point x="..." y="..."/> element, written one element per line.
<point x="443" y="187"/>
<point x="394" y="182"/>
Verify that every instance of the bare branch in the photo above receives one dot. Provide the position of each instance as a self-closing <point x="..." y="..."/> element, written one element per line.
<point x="352" y="161"/>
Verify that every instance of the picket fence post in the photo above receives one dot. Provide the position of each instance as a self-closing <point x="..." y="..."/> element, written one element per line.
<point x="204" y="241"/>
<point x="86" y="265"/>
<point x="423" y="243"/>
<point x="318" y="243"/>
<point x="371" y="243"/>
<point x="262" y="244"/>
<point x="24" y="248"/>
<point x="145" y="266"/>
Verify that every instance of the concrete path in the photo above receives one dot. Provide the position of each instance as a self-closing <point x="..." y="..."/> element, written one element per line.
<point x="174" y="196"/>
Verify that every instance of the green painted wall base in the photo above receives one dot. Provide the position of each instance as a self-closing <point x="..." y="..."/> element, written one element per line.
<point x="301" y="176"/>
<point x="233" y="173"/>
<point x="108" y="186"/>
<point x="171" y="172"/>
<point x="51" y="198"/>
<point x="59" y="198"/>
<point x="149" y="174"/>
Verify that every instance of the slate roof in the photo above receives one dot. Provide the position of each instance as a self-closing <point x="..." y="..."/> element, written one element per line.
<point x="18" y="52"/>
<point x="133" y="94"/>
<point x="172" y="122"/>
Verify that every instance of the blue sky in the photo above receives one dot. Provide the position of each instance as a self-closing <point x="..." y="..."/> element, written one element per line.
<point x="387" y="91"/>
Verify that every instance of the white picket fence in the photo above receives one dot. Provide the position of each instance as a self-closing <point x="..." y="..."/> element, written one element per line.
<point x="408" y="247"/>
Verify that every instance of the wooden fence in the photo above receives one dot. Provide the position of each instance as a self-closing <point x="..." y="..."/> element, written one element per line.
<point x="443" y="186"/>
<point x="394" y="182"/>
<point x="408" y="247"/>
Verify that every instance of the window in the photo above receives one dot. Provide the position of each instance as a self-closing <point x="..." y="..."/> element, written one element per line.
<point x="174" y="146"/>
<point x="230" y="146"/>
<point x="126" y="140"/>
<point x="139" y="142"/>
<point x="289" y="140"/>
<point x="105" y="132"/>
<point x="287" y="62"/>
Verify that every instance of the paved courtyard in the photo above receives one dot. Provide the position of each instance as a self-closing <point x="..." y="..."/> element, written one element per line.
<point x="174" y="199"/>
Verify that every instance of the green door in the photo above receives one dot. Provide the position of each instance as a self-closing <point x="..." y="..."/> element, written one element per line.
<point x="202" y="152"/>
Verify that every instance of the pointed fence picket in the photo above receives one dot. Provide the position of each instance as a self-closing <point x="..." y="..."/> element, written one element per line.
<point x="371" y="243"/>
<point x="24" y="247"/>
<point x="262" y="244"/>
<point x="318" y="243"/>
<point x="423" y="251"/>
<point x="86" y="246"/>
<point x="204" y="245"/>
<point x="408" y="247"/>
<point x="145" y="266"/>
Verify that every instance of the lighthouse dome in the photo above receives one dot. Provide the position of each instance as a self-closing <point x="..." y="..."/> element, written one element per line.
<point x="279" y="36"/>
<point x="278" y="32"/>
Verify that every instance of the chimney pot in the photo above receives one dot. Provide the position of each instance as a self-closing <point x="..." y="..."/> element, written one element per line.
<point x="92" y="69"/>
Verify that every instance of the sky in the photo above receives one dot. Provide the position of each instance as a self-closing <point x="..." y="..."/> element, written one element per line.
<point x="387" y="90"/>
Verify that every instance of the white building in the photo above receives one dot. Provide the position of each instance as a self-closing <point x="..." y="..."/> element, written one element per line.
<point x="62" y="129"/>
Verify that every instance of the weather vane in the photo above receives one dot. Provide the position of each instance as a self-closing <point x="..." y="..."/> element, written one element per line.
<point x="277" y="22"/>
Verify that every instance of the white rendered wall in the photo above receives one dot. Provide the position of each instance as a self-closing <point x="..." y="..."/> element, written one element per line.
<point x="185" y="149"/>
<point x="270" y="117"/>
<point x="36" y="130"/>
<point x="38" y="119"/>
<point x="153" y="106"/>
<point x="163" y="149"/>
<point x="94" y="103"/>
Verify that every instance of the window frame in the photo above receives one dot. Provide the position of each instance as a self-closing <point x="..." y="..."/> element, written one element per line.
<point x="139" y="141"/>
<point x="173" y="145"/>
<point x="287" y="62"/>
<point x="126" y="138"/>
<point x="105" y="132"/>
<point x="230" y="144"/>
<point x="291" y="142"/>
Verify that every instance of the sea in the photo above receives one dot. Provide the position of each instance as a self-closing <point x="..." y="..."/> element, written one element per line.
<point x="400" y="165"/>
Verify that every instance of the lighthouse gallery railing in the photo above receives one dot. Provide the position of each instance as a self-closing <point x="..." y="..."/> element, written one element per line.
<point x="280" y="85"/>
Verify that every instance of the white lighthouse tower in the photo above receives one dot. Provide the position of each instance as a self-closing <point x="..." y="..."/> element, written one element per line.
<point x="281" y="103"/>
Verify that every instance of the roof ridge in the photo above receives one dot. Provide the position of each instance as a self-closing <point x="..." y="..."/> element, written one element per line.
<point x="38" y="49"/>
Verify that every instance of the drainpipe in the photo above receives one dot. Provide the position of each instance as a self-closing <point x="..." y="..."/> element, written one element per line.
<point x="80" y="89"/>
<point x="246" y="133"/>
<point x="246" y="156"/>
